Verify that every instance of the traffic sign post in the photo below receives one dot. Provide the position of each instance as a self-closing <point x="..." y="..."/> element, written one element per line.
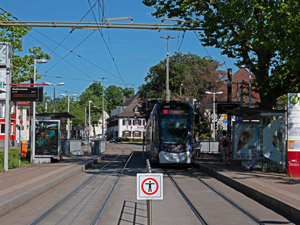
<point x="149" y="186"/>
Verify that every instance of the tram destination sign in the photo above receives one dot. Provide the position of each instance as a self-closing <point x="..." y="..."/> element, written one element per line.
<point x="27" y="94"/>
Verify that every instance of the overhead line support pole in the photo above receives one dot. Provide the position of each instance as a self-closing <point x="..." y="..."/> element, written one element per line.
<point x="167" y="70"/>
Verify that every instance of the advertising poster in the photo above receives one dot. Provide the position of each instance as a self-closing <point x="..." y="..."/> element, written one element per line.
<point x="47" y="138"/>
<point x="245" y="140"/>
<point x="293" y="135"/>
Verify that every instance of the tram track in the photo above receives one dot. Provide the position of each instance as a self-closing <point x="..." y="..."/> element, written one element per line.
<point x="104" y="183"/>
<point x="194" y="207"/>
<point x="190" y="204"/>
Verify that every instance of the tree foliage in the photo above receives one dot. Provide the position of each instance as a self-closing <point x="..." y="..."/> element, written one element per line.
<point x="114" y="96"/>
<point x="22" y="69"/>
<point x="260" y="34"/>
<point x="187" y="72"/>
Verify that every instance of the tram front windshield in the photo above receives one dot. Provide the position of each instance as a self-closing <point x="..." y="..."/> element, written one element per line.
<point x="174" y="129"/>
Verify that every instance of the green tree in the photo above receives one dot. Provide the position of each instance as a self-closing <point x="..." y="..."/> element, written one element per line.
<point x="260" y="34"/>
<point x="46" y="106"/>
<point x="22" y="69"/>
<point x="114" y="96"/>
<point x="189" y="72"/>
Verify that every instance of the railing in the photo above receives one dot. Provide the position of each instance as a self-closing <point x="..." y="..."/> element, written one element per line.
<point x="71" y="145"/>
<point x="207" y="146"/>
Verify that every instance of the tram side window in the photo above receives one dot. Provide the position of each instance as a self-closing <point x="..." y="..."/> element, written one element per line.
<point x="155" y="133"/>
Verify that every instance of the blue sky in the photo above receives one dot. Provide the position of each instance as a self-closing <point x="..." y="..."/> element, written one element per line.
<point x="133" y="51"/>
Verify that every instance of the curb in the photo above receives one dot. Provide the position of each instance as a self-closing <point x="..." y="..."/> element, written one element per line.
<point x="23" y="197"/>
<point x="287" y="211"/>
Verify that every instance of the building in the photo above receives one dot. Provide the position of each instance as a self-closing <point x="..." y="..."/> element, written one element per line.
<point x="126" y="121"/>
<point x="239" y="97"/>
<point x="13" y="123"/>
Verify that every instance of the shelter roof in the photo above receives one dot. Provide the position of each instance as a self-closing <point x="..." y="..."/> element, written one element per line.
<point x="56" y="115"/>
<point x="255" y="113"/>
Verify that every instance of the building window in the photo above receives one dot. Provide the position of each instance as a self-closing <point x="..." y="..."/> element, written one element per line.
<point x="137" y="134"/>
<point x="2" y="129"/>
<point x="126" y="133"/>
<point x="126" y="122"/>
<point x="137" y="122"/>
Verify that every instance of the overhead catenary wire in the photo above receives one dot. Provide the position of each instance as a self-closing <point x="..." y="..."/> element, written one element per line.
<point x="208" y="52"/>
<point x="53" y="51"/>
<point x="109" y="50"/>
<point x="182" y="38"/>
<point x="79" y="56"/>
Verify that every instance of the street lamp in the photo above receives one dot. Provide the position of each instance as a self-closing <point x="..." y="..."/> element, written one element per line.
<point x="180" y="90"/>
<point x="68" y="96"/>
<point x="244" y="67"/>
<point x="57" y="84"/>
<point x="89" y="120"/>
<point x="214" y="109"/>
<point x="33" y="111"/>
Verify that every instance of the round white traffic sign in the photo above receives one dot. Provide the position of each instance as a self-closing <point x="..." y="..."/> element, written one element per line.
<point x="149" y="186"/>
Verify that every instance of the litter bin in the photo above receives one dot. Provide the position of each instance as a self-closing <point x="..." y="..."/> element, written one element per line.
<point x="24" y="149"/>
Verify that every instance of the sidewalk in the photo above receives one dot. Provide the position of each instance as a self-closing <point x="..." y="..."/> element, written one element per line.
<point x="274" y="190"/>
<point x="20" y="185"/>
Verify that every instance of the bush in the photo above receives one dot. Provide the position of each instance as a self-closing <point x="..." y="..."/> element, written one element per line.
<point x="126" y="139"/>
<point x="13" y="159"/>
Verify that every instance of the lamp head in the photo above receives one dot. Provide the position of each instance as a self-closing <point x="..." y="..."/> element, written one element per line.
<point x="243" y="66"/>
<point x="41" y="60"/>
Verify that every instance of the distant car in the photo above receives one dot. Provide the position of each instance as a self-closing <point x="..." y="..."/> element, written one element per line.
<point x="116" y="139"/>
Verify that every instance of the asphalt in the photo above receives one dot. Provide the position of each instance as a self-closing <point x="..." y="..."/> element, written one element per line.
<point x="274" y="190"/>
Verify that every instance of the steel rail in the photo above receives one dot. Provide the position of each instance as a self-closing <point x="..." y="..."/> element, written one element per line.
<point x="193" y="208"/>
<point x="93" y="25"/>
<point x="100" y="212"/>
<point x="84" y="183"/>
<point x="256" y="220"/>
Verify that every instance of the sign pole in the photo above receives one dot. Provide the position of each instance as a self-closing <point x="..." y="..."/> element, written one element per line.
<point x="149" y="212"/>
<point x="5" y="57"/>
<point x="20" y="142"/>
<point x="7" y="120"/>
<point x="149" y="202"/>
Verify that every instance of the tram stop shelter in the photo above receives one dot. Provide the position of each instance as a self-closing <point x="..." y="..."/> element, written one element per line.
<point x="259" y="135"/>
<point x="63" y="145"/>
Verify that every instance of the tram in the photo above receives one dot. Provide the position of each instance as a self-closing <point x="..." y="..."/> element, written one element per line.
<point x="169" y="133"/>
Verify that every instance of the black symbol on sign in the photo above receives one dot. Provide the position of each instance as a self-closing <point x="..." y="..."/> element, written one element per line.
<point x="149" y="186"/>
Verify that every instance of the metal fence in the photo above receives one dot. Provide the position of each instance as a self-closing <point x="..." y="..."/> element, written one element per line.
<point x="207" y="147"/>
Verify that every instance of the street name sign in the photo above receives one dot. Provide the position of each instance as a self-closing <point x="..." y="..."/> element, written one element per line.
<point x="149" y="186"/>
